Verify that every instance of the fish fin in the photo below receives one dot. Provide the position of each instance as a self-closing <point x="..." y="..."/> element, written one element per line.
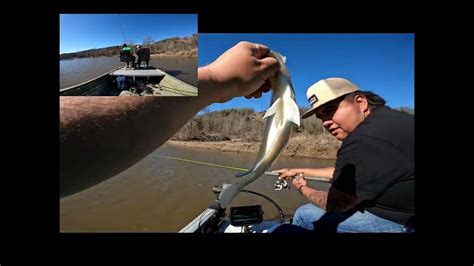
<point x="242" y="174"/>
<point x="273" y="109"/>
<point x="292" y="108"/>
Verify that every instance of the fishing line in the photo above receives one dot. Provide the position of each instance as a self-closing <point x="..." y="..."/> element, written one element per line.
<point x="321" y="179"/>
<point x="125" y="38"/>
<point x="211" y="164"/>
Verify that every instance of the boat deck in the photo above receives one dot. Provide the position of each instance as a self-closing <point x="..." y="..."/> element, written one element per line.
<point x="156" y="81"/>
<point x="131" y="72"/>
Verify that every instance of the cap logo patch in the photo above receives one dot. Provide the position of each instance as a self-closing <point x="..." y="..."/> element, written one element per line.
<point x="313" y="99"/>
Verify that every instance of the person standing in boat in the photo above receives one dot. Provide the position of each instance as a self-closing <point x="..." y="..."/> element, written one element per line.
<point x="102" y="148"/>
<point x="127" y="54"/>
<point x="143" y="54"/>
<point x="372" y="183"/>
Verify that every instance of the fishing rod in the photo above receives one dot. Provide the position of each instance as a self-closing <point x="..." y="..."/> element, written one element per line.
<point x="312" y="178"/>
<point x="125" y="38"/>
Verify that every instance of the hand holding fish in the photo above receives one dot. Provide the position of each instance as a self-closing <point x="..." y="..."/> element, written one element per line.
<point x="243" y="70"/>
<point x="282" y="116"/>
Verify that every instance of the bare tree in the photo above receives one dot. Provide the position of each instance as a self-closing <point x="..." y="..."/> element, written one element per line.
<point x="148" y="40"/>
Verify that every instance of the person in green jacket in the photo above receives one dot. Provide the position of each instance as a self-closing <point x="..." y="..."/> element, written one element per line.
<point x="127" y="55"/>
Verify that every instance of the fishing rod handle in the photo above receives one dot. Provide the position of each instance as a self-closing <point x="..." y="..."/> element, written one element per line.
<point x="312" y="178"/>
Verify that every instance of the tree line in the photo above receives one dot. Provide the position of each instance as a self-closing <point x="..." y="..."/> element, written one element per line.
<point x="244" y="124"/>
<point x="186" y="46"/>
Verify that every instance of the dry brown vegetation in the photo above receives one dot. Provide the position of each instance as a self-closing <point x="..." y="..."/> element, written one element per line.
<point x="242" y="130"/>
<point x="180" y="47"/>
<point x="176" y="47"/>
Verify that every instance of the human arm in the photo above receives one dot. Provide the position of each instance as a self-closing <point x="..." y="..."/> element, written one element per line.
<point x="326" y="172"/>
<point x="297" y="176"/>
<point x="102" y="136"/>
<point x="315" y="196"/>
<point x="298" y="180"/>
<point x="333" y="201"/>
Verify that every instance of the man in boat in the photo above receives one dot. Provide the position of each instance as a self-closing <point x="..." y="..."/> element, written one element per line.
<point x="127" y="55"/>
<point x="117" y="132"/>
<point x="143" y="54"/>
<point x="372" y="183"/>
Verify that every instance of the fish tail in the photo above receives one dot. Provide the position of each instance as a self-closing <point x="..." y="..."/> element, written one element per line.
<point x="228" y="193"/>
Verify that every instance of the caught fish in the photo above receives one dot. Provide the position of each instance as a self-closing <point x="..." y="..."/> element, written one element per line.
<point x="282" y="116"/>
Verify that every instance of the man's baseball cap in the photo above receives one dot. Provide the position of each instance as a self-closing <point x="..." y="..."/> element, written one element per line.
<point x="327" y="90"/>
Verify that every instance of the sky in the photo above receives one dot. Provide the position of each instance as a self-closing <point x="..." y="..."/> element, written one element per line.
<point x="80" y="32"/>
<point x="381" y="63"/>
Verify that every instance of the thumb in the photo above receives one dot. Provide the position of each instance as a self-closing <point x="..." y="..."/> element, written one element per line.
<point x="268" y="67"/>
<point x="259" y="50"/>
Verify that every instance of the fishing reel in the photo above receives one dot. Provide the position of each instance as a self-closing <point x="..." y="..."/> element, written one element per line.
<point x="281" y="184"/>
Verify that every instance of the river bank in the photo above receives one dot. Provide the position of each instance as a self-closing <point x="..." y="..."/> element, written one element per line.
<point x="321" y="147"/>
<point x="186" y="54"/>
<point x="190" y="53"/>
